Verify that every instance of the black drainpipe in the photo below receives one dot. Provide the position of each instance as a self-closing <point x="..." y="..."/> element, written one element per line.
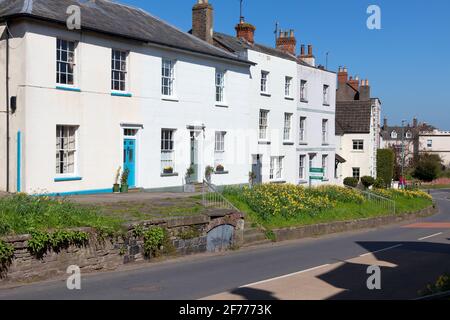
<point x="7" y="107"/>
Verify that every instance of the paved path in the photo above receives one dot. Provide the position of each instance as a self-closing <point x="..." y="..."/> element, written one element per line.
<point x="129" y="197"/>
<point x="333" y="267"/>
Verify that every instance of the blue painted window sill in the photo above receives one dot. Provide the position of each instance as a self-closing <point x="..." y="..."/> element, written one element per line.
<point x="119" y="94"/>
<point x="63" y="179"/>
<point x="68" y="89"/>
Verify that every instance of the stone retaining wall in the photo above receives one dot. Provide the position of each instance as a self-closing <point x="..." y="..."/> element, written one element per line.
<point x="108" y="254"/>
<point x="343" y="226"/>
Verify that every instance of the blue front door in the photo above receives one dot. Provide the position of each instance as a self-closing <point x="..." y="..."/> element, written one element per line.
<point x="129" y="160"/>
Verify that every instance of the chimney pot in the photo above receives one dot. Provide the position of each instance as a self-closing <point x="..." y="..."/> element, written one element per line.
<point x="287" y="42"/>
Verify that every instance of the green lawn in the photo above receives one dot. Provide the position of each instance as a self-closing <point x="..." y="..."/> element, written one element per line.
<point x="342" y="212"/>
<point x="22" y="214"/>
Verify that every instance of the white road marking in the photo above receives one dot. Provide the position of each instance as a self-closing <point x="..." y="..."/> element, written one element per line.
<point x="428" y="237"/>
<point x="285" y="276"/>
<point x="369" y="253"/>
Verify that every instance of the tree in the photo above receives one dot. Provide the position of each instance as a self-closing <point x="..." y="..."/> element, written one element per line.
<point x="385" y="165"/>
<point x="428" y="167"/>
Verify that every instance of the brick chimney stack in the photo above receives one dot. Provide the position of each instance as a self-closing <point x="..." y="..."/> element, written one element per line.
<point x="245" y="31"/>
<point x="286" y="42"/>
<point x="354" y="83"/>
<point x="364" y="90"/>
<point x="342" y="76"/>
<point x="203" y="21"/>
<point x="308" y="58"/>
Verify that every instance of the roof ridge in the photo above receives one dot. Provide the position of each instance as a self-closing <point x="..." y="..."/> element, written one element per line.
<point x="170" y="25"/>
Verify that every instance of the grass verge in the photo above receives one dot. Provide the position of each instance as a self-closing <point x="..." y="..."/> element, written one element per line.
<point x="342" y="211"/>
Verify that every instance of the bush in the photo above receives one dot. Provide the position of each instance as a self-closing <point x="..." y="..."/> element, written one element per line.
<point x="153" y="240"/>
<point x="351" y="182"/>
<point x="385" y="165"/>
<point x="379" y="183"/>
<point x="367" y="181"/>
<point x="428" y="167"/>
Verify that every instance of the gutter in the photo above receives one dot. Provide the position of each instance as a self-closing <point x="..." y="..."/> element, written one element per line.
<point x="7" y="107"/>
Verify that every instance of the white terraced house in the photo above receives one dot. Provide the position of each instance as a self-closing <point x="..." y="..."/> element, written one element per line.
<point x="147" y="97"/>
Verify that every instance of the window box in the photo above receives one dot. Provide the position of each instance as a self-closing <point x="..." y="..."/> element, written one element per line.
<point x="220" y="168"/>
<point x="168" y="170"/>
<point x="264" y="142"/>
<point x="288" y="143"/>
<point x="221" y="172"/>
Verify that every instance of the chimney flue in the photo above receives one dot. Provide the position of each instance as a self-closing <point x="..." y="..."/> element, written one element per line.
<point x="286" y="42"/>
<point x="203" y="20"/>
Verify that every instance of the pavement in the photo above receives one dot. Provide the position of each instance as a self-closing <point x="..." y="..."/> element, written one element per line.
<point x="109" y="198"/>
<point x="409" y="256"/>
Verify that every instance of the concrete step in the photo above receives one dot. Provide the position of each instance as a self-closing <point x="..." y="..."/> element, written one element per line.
<point x="135" y="190"/>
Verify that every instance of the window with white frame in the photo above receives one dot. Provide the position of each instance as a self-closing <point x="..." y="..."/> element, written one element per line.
<point x="325" y="166"/>
<point x="264" y="82"/>
<point x="263" y="124"/>
<point x="168" y="77"/>
<point x="429" y="143"/>
<point x="324" y="131"/>
<point x="118" y="70"/>
<point x="302" y="168"/>
<point x="276" y="168"/>
<point x="65" y="62"/>
<point x="219" y="148"/>
<point x="287" y="126"/>
<point x="326" y="93"/>
<point x="304" y="90"/>
<point x="408" y="135"/>
<point x="394" y="134"/>
<point x="356" y="173"/>
<point x="220" y="86"/>
<point x="288" y="87"/>
<point x="167" y="149"/>
<point x="358" y="145"/>
<point x="66" y="148"/>
<point x="302" y="129"/>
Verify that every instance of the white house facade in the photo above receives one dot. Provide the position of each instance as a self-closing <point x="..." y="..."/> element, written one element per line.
<point x="152" y="99"/>
<point x="436" y="142"/>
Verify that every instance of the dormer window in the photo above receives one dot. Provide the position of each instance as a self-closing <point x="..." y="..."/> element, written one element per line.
<point x="394" y="134"/>
<point x="408" y="135"/>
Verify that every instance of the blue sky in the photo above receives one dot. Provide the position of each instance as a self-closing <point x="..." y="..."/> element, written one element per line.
<point x="407" y="61"/>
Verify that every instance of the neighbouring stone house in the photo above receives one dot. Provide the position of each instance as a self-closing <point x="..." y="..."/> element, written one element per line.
<point x="358" y="126"/>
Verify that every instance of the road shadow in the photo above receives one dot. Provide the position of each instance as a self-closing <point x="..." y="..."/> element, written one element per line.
<point x="254" y="294"/>
<point x="408" y="269"/>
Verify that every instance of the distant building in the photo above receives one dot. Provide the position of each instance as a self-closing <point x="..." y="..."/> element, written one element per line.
<point x="436" y="142"/>
<point x="357" y="127"/>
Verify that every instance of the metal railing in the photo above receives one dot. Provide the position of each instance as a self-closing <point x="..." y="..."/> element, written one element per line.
<point x="213" y="199"/>
<point x="377" y="200"/>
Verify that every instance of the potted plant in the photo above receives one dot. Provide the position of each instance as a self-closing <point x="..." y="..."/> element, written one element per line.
<point x="190" y="171"/>
<point x="208" y="172"/>
<point x="116" y="187"/>
<point x="168" y="170"/>
<point x="220" y="168"/>
<point x="124" y="181"/>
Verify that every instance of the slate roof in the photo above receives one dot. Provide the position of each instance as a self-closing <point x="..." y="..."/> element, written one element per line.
<point x="115" y="19"/>
<point x="387" y="131"/>
<point x="237" y="45"/>
<point x="353" y="117"/>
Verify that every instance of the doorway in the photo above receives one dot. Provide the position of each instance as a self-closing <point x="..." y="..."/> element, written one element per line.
<point x="257" y="169"/>
<point x="194" y="156"/>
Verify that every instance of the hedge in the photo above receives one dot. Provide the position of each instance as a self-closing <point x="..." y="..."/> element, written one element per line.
<point x="385" y="165"/>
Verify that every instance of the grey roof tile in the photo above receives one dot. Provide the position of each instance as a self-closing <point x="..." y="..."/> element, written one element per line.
<point x="115" y="19"/>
